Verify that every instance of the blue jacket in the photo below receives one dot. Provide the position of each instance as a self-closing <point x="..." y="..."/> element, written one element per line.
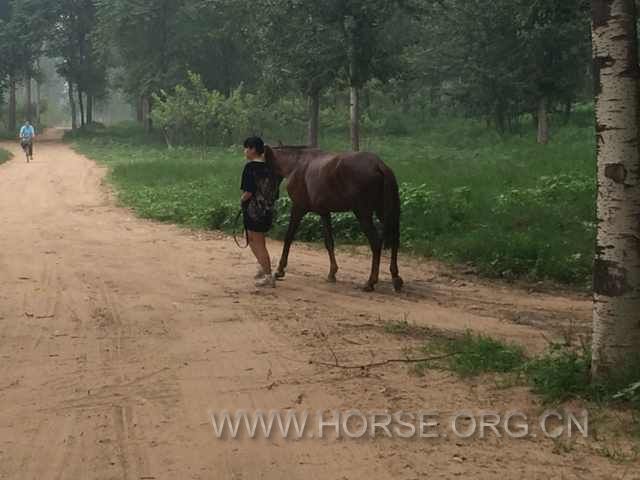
<point x="27" y="131"/>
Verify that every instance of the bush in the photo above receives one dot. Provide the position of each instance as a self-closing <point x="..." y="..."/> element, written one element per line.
<point x="4" y="155"/>
<point x="560" y="374"/>
<point x="191" y="114"/>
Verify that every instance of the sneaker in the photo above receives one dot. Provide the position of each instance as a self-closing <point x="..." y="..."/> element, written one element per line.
<point x="267" y="281"/>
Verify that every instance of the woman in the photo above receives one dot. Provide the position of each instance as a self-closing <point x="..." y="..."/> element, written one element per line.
<point x="259" y="193"/>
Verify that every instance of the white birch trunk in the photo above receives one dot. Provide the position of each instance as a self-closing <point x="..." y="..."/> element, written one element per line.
<point x="616" y="319"/>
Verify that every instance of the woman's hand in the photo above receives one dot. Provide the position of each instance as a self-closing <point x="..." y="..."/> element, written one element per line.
<point x="246" y="196"/>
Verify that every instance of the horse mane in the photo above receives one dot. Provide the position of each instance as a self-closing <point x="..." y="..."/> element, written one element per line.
<point x="294" y="147"/>
<point x="269" y="157"/>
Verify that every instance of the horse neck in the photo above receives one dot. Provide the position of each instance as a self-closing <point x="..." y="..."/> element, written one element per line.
<point x="288" y="160"/>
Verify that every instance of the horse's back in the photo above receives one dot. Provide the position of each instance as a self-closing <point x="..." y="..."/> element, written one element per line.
<point x="342" y="181"/>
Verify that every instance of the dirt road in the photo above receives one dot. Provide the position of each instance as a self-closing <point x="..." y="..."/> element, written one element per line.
<point x="118" y="336"/>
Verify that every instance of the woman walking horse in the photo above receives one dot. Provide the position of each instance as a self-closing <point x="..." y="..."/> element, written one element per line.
<point x="322" y="183"/>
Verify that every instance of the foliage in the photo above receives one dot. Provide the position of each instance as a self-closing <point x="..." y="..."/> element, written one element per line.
<point x="495" y="60"/>
<point x="563" y="373"/>
<point x="140" y="36"/>
<point x="4" y="155"/>
<point x="559" y="374"/>
<point x="306" y="53"/>
<point x="192" y="114"/>
<point x="499" y="59"/>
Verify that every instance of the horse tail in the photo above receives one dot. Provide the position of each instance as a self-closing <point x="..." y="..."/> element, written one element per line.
<point x="391" y="227"/>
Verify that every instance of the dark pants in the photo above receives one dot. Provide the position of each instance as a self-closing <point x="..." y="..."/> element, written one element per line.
<point x="27" y="146"/>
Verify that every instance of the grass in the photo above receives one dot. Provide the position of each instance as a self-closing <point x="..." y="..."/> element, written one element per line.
<point x="559" y="374"/>
<point x="511" y="207"/>
<point x="472" y="355"/>
<point x="4" y="155"/>
<point x="5" y="135"/>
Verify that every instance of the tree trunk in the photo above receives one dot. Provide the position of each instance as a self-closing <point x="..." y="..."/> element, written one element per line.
<point x="89" y="109"/>
<point x="568" y="110"/>
<point x="355" y="119"/>
<point x="616" y="278"/>
<point x="314" y="118"/>
<point x="146" y="113"/>
<point x="38" y="98"/>
<point x="434" y="104"/>
<point x="29" y="99"/>
<point x="500" y="118"/>
<point x="139" y="112"/>
<point x="543" y="122"/>
<point x="72" y="105"/>
<point x="38" y="93"/>
<point x="81" y="105"/>
<point x="13" y="125"/>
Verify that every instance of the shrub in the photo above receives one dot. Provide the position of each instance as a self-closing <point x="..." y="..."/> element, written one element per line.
<point x="193" y="114"/>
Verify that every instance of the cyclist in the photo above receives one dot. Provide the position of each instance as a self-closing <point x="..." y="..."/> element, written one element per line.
<point x="27" y="134"/>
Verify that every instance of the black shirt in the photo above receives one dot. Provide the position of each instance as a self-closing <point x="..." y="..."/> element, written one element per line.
<point x="253" y="172"/>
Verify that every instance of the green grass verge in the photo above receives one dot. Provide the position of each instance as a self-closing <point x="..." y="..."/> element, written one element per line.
<point x="4" y="155"/>
<point x="509" y="206"/>
<point x="471" y="355"/>
<point x="559" y="374"/>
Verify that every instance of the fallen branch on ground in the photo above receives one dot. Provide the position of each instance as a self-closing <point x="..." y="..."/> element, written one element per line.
<point x="383" y="363"/>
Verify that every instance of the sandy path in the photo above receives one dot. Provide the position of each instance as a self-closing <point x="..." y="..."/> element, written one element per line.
<point x="118" y="335"/>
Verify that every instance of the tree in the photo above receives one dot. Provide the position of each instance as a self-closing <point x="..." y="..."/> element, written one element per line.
<point x="141" y="38"/>
<point x="504" y="58"/>
<point x="616" y="322"/>
<point x="305" y="56"/>
<point x="555" y="37"/>
<point x="473" y="48"/>
<point x="82" y="65"/>
<point x="17" y="54"/>
<point x="368" y="53"/>
<point x="65" y="30"/>
<point x="218" y="40"/>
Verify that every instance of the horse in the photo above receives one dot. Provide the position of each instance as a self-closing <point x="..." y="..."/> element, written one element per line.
<point x="323" y="183"/>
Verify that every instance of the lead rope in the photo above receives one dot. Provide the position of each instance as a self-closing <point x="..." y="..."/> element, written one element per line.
<point x="235" y="232"/>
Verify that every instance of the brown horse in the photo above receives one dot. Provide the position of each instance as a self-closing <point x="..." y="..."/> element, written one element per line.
<point x="322" y="183"/>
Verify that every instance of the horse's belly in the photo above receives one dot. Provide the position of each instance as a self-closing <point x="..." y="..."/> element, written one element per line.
<point x="332" y="201"/>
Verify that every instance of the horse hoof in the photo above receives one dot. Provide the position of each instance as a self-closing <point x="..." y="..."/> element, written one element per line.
<point x="280" y="275"/>
<point x="368" y="288"/>
<point x="398" y="283"/>
<point x="331" y="279"/>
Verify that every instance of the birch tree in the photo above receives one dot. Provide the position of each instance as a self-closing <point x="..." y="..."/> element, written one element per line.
<point x="616" y="320"/>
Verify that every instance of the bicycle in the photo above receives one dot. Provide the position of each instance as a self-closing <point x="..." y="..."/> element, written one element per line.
<point x="27" y="146"/>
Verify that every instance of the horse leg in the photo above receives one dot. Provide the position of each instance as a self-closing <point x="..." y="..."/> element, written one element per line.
<point x="398" y="283"/>
<point x="294" y="222"/>
<point x="328" y="242"/>
<point x="395" y="273"/>
<point x="369" y="228"/>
